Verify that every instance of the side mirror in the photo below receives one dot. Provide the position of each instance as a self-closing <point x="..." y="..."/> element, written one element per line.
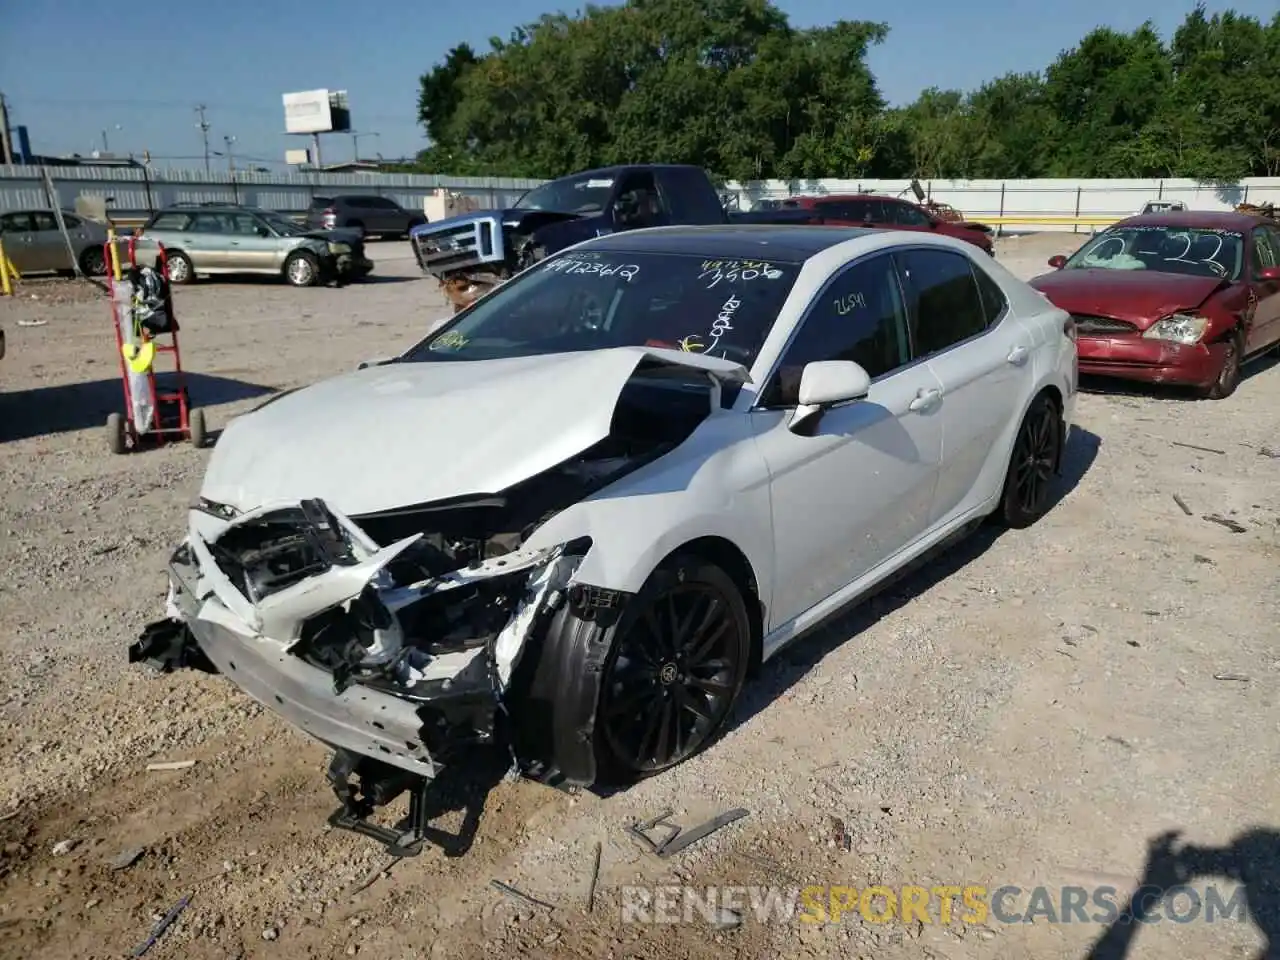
<point x="829" y="383"/>
<point x="1270" y="274"/>
<point x="1058" y="261"/>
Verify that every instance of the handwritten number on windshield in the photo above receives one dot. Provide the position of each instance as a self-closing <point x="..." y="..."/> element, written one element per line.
<point x="572" y="265"/>
<point x="734" y="271"/>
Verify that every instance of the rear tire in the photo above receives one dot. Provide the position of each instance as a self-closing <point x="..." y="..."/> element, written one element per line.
<point x="181" y="269"/>
<point x="1037" y="450"/>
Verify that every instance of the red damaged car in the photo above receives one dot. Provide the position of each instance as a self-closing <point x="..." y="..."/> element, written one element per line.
<point x="891" y="213"/>
<point x="1177" y="298"/>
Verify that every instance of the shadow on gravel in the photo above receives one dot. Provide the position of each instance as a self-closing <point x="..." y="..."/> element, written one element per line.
<point x="1251" y="866"/>
<point x="259" y="280"/>
<point x="462" y="787"/>
<point x="1109" y="387"/>
<point x="79" y="406"/>
<point x="806" y="652"/>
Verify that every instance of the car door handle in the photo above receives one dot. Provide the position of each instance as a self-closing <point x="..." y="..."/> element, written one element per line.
<point x="1018" y="356"/>
<point x="924" y="399"/>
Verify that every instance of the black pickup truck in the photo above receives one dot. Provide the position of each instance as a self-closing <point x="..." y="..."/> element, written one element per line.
<point x="471" y="253"/>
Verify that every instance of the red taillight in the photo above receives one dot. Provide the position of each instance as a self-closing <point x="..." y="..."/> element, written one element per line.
<point x="330" y="212"/>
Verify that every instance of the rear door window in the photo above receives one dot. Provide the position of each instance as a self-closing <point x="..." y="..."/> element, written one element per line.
<point x="171" y="221"/>
<point x="944" y="304"/>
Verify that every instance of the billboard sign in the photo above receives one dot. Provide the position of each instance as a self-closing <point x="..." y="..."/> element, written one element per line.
<point x="317" y="111"/>
<point x="297" y="157"/>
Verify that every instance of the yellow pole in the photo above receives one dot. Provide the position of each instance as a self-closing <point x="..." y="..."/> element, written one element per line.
<point x="112" y="254"/>
<point x="6" y="285"/>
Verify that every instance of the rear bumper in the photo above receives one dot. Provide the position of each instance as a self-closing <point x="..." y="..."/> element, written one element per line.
<point x="1150" y="361"/>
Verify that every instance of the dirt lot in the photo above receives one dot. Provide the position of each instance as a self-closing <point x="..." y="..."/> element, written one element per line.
<point x="1037" y="708"/>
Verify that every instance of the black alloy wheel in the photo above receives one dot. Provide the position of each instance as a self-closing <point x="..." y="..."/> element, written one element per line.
<point x="1036" y="451"/>
<point x="675" y="671"/>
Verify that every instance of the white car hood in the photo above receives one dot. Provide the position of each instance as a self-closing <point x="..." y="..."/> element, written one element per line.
<point x="409" y="433"/>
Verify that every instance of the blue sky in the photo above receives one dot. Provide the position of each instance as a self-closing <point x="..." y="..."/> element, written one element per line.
<point x="238" y="57"/>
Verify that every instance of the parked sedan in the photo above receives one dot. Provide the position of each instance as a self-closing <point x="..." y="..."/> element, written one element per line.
<point x="894" y="213"/>
<point x="212" y="239"/>
<point x="594" y="500"/>
<point x="34" y="243"/>
<point x="1183" y="297"/>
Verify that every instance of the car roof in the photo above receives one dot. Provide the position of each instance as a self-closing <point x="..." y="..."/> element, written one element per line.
<point x="624" y="167"/>
<point x="744" y="241"/>
<point x="1207" y="219"/>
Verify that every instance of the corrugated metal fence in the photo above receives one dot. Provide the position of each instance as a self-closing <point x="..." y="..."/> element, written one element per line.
<point x="1039" y="204"/>
<point x="136" y="191"/>
<point x="1070" y="205"/>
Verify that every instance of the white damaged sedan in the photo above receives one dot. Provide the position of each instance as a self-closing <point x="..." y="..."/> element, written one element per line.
<point x="576" y="517"/>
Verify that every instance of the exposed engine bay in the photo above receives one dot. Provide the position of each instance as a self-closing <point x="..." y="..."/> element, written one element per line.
<point x="395" y="636"/>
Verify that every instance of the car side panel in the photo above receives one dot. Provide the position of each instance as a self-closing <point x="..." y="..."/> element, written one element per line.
<point x="853" y="494"/>
<point x="985" y="383"/>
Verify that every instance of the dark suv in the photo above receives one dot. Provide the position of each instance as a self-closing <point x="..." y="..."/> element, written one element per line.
<point x="374" y="216"/>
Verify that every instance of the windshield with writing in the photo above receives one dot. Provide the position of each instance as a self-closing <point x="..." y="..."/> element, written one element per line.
<point x="1190" y="251"/>
<point x="593" y="301"/>
<point x="570" y="195"/>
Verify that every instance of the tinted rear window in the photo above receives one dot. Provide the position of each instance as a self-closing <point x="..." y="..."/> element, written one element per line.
<point x="319" y="203"/>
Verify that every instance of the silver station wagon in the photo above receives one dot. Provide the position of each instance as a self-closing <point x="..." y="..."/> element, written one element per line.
<point x="211" y="239"/>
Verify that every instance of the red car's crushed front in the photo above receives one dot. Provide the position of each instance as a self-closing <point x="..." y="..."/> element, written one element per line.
<point x="1114" y="311"/>
<point x="1158" y="298"/>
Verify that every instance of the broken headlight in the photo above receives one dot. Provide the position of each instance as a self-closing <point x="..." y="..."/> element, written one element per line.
<point x="1178" y="328"/>
<point x="281" y="548"/>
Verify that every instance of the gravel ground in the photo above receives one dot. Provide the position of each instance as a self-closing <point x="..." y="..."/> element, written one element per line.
<point x="1034" y="708"/>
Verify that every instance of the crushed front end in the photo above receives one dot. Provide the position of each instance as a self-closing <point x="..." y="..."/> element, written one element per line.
<point x="466" y="254"/>
<point x="395" y="654"/>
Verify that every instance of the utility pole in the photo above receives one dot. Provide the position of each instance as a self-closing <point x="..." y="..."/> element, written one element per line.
<point x="355" y="142"/>
<point x="203" y="125"/>
<point x="231" y="160"/>
<point x="6" y="140"/>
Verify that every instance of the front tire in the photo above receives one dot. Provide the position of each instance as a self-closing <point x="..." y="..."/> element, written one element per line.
<point x="1037" y="450"/>
<point x="93" y="262"/>
<point x="1229" y="376"/>
<point x="302" y="269"/>
<point x="677" y="662"/>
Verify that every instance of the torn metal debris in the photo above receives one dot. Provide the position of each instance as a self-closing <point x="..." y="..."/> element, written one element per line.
<point x="677" y="838"/>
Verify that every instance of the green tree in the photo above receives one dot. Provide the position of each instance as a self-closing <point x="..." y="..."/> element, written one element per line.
<point x="732" y="86"/>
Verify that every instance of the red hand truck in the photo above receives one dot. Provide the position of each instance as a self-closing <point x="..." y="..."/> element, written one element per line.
<point x="151" y="414"/>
